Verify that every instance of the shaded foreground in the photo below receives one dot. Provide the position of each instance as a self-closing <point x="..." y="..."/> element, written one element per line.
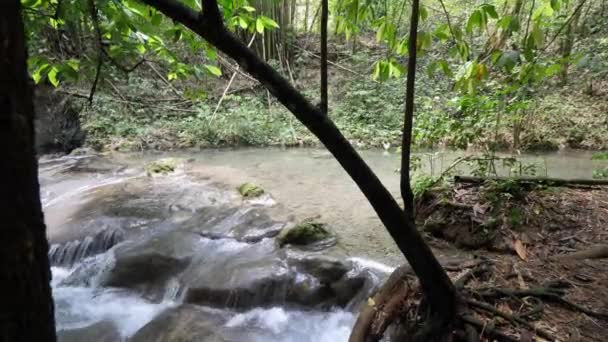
<point x="542" y="274"/>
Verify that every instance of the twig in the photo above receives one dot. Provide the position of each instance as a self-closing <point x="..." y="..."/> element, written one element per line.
<point x="447" y="17"/>
<point x="332" y="63"/>
<point x="219" y="103"/>
<point x="546" y="293"/>
<point x="488" y="331"/>
<point x="76" y="94"/>
<point x="235" y="69"/>
<point x="512" y="318"/>
<point x="120" y="66"/>
<point x="94" y="18"/>
<point x="163" y="79"/>
<point x="578" y="8"/>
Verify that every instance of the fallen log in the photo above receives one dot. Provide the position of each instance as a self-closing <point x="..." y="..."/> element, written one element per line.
<point x="532" y="180"/>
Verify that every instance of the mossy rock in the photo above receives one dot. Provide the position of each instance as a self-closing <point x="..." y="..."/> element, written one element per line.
<point x="249" y="190"/>
<point x="305" y="233"/>
<point x="161" y="166"/>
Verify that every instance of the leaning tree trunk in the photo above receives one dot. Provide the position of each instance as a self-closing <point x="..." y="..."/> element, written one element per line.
<point x="26" y="306"/>
<point x="435" y="282"/>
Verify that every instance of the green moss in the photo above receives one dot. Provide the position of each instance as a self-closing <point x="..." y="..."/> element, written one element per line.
<point x="161" y="166"/>
<point x="600" y="156"/>
<point x="249" y="190"/>
<point x="305" y="233"/>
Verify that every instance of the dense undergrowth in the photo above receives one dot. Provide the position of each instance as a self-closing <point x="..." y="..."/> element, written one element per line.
<point x="140" y="111"/>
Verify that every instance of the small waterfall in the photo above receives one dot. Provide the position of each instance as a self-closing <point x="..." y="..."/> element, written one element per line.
<point x="68" y="253"/>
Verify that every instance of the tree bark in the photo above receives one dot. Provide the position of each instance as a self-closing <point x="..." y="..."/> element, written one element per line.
<point x="434" y="280"/>
<point x="324" y="15"/>
<point x="26" y="310"/>
<point x="408" y="118"/>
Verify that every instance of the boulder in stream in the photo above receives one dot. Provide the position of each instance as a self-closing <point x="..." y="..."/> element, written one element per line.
<point x="104" y="331"/>
<point x="307" y="233"/>
<point x="250" y="190"/>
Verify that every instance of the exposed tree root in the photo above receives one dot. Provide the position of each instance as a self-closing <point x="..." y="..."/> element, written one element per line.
<point x="548" y="293"/>
<point x="398" y="303"/>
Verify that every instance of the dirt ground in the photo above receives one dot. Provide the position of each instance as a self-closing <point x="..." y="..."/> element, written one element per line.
<point x="528" y="233"/>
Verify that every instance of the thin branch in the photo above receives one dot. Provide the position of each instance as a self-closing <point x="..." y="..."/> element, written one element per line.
<point x="523" y="43"/>
<point x="406" y="190"/>
<point x="219" y="103"/>
<point x="512" y="318"/>
<point x="331" y="63"/>
<point x="447" y="17"/>
<point x="578" y="8"/>
<point x="121" y="67"/>
<point x="97" y="29"/>
<point x="163" y="79"/>
<point x="324" y="15"/>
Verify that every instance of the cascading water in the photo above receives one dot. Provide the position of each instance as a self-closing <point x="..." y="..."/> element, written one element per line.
<point x="177" y="258"/>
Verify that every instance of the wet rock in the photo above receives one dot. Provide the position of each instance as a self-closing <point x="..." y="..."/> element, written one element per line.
<point x="68" y="253"/>
<point x="83" y="151"/>
<point x="247" y="224"/>
<point x="238" y="275"/>
<point x="149" y="265"/>
<point x="261" y="275"/>
<point x="190" y="323"/>
<point x="161" y="166"/>
<point x="308" y="232"/>
<point x="249" y="190"/>
<point x="57" y="122"/>
<point x="103" y="331"/>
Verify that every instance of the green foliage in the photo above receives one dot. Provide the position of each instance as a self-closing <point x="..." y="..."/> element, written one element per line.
<point x="422" y="184"/>
<point x="600" y="156"/>
<point x="600" y="173"/>
<point x="129" y="31"/>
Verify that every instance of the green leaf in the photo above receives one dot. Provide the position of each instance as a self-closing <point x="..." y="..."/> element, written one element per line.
<point x="539" y="36"/>
<point x="553" y="69"/>
<point x="490" y="10"/>
<point x="474" y="20"/>
<point x="243" y="23"/>
<point x="259" y="26"/>
<point x="556" y="5"/>
<point x="213" y="70"/>
<point x="423" y="13"/>
<point x="268" y="23"/>
<point x="52" y="76"/>
<point x="156" y="19"/>
<point x="248" y="9"/>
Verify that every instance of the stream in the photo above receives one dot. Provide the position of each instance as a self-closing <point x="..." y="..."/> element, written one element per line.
<point x="182" y="257"/>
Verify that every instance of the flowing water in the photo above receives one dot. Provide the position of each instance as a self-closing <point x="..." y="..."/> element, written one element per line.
<point x="183" y="256"/>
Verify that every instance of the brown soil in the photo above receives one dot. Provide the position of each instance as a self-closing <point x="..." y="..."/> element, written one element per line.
<point x="521" y="229"/>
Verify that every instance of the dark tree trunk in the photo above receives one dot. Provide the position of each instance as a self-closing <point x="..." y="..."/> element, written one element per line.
<point x="26" y="306"/>
<point x="408" y="118"/>
<point x="324" y="15"/>
<point x="434" y="280"/>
